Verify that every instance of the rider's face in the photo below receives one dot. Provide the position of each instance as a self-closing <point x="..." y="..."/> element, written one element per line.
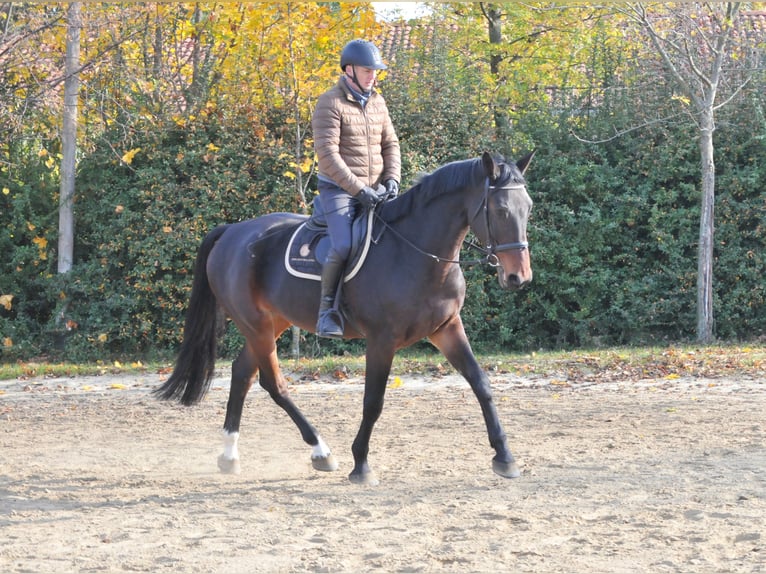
<point x="365" y="77"/>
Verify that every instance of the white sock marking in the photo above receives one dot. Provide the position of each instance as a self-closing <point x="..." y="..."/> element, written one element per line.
<point x="320" y="450"/>
<point x="230" y="450"/>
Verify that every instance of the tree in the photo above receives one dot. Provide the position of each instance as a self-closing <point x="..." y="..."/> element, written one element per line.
<point x="69" y="138"/>
<point x="700" y="51"/>
<point x="525" y="52"/>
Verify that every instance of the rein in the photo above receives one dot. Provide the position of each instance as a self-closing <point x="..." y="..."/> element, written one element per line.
<point x="490" y="250"/>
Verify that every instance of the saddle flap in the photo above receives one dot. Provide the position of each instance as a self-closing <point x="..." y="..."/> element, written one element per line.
<point x="310" y="244"/>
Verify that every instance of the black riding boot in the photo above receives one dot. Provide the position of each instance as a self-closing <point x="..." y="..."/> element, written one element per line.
<point x="329" y="323"/>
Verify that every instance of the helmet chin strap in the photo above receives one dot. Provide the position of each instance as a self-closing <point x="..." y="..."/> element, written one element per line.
<point x="356" y="80"/>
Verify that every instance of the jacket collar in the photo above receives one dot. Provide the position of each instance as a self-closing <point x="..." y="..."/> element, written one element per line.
<point x="349" y="93"/>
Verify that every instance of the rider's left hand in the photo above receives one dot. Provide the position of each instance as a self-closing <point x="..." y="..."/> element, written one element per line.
<point x="392" y="188"/>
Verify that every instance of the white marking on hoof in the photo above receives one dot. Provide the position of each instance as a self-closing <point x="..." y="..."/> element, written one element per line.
<point x="321" y="457"/>
<point x="228" y="462"/>
<point x="320" y="449"/>
<point x="228" y="466"/>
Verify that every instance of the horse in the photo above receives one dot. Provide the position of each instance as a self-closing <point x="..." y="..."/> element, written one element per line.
<point x="411" y="287"/>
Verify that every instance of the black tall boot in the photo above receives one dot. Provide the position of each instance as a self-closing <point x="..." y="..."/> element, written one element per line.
<point x="329" y="322"/>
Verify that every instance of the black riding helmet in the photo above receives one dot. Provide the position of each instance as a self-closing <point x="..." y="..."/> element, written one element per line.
<point x="361" y="53"/>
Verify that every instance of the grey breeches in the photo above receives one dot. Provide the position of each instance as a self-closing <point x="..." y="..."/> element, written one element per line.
<point x="339" y="209"/>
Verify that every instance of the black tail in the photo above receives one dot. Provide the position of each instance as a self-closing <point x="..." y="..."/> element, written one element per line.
<point x="195" y="363"/>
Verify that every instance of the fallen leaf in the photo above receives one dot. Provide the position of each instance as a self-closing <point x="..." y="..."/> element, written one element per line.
<point x="397" y="382"/>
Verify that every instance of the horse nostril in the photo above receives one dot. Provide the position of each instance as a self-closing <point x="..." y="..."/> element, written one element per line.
<point x="513" y="281"/>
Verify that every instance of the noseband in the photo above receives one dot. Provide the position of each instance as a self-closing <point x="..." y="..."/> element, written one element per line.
<point x="493" y="248"/>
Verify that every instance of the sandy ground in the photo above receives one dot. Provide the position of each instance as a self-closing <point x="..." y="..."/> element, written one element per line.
<point x="655" y="476"/>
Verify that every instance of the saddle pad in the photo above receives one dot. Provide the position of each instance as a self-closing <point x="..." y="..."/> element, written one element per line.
<point x="308" y="246"/>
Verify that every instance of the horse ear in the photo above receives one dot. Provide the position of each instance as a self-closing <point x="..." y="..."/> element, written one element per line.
<point x="490" y="167"/>
<point x="524" y="162"/>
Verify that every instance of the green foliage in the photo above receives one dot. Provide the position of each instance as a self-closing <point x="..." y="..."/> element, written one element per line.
<point x="28" y="235"/>
<point x="613" y="234"/>
<point x="138" y="228"/>
<point x="437" y="121"/>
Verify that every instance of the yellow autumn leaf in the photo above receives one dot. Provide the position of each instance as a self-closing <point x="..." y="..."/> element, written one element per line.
<point x="307" y="164"/>
<point x="6" y="191"/>
<point x="212" y="147"/>
<point x="118" y="364"/>
<point x="7" y="342"/>
<point x="396" y="383"/>
<point x="102" y="338"/>
<point x="289" y="174"/>
<point x="128" y="156"/>
<point x="672" y="376"/>
<point x="117" y="386"/>
<point x="6" y="301"/>
<point x="87" y="388"/>
<point x="41" y="243"/>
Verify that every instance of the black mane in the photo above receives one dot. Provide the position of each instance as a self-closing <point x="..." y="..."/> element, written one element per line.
<point x="457" y="174"/>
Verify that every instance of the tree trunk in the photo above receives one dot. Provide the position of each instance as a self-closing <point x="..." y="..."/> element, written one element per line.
<point x="69" y="139"/>
<point x="705" y="251"/>
<point x="493" y="15"/>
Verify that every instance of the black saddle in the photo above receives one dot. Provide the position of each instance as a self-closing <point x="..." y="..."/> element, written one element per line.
<point x="310" y="244"/>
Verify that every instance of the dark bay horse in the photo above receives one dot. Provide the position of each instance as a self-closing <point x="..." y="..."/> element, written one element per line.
<point x="410" y="287"/>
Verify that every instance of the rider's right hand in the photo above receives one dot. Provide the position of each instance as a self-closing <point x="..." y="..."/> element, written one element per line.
<point x="368" y="197"/>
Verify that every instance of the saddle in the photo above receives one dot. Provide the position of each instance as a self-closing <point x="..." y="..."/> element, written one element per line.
<point x="309" y="245"/>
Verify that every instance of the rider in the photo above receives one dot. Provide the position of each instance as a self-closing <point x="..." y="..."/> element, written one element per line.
<point x="357" y="148"/>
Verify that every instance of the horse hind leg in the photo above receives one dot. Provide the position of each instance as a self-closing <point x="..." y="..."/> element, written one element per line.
<point x="259" y="357"/>
<point x="243" y="372"/>
<point x="272" y="381"/>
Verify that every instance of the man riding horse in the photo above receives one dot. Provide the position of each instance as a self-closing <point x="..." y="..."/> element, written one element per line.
<point x="357" y="149"/>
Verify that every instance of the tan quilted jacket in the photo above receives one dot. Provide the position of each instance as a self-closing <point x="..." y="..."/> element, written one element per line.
<point x="355" y="146"/>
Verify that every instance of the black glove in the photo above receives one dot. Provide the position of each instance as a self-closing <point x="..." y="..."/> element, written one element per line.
<point x="368" y="197"/>
<point x="392" y="188"/>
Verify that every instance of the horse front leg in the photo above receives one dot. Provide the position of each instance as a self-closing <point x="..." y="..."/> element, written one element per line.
<point x="378" y="367"/>
<point x="452" y="341"/>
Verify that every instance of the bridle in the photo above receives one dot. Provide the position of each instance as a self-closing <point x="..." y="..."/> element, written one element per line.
<point x="493" y="248"/>
<point x="490" y="251"/>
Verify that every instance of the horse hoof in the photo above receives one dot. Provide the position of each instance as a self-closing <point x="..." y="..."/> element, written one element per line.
<point x="324" y="463"/>
<point x="506" y="469"/>
<point x="228" y="465"/>
<point x="366" y="478"/>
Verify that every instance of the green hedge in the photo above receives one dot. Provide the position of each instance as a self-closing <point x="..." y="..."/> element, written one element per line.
<point x="613" y="233"/>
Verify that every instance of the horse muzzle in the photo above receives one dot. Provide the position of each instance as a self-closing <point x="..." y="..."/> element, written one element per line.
<point x="514" y="270"/>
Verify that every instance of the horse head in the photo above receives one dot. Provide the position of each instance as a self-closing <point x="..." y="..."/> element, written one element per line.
<point x="500" y="222"/>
